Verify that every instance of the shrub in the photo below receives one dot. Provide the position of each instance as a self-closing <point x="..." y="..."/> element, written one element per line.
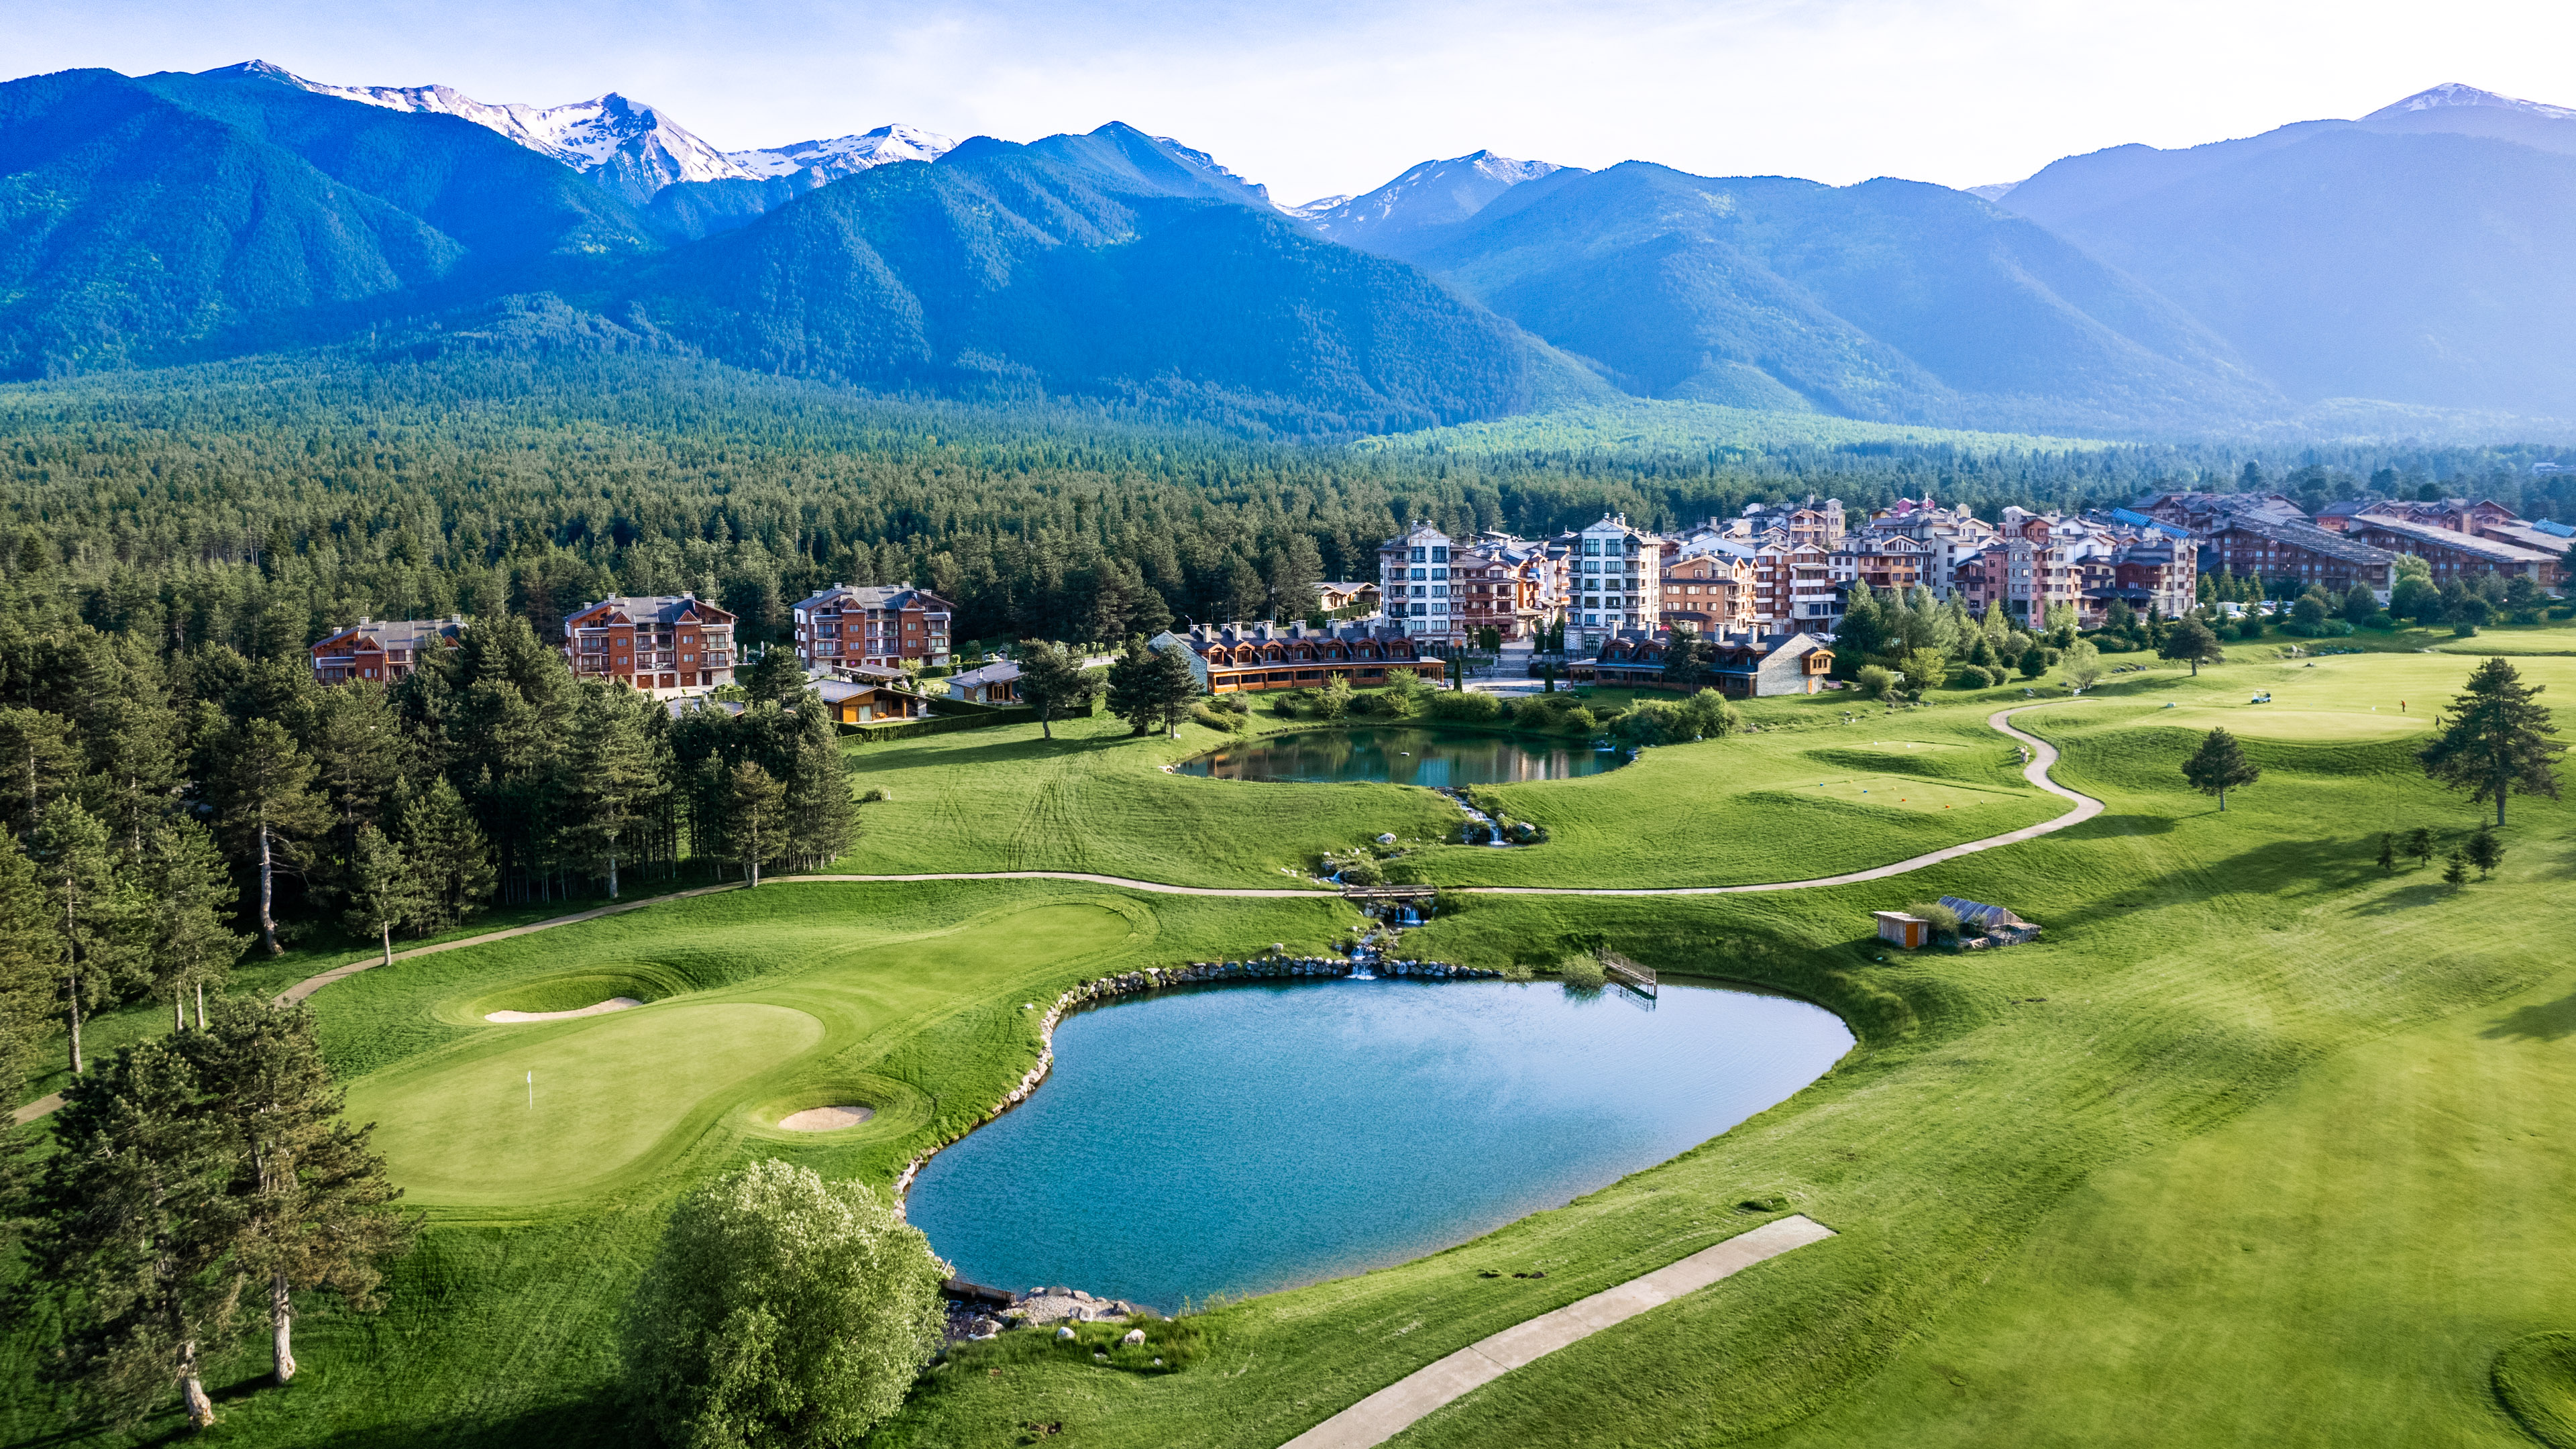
<point x="1877" y="679"/>
<point x="1465" y="708"/>
<point x="1363" y="873"/>
<point x="2116" y="644"/>
<point x="877" y="796"/>
<point x="1581" y="968"/>
<point x="1581" y="720"/>
<point x="779" y="1309"/>
<point x="1944" y="922"/>
<point x="1973" y="676"/>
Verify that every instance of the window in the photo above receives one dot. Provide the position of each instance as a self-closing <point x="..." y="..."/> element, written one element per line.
<point x="1421" y="556"/>
<point x="1422" y="573"/>
<point x="1592" y="548"/>
<point x="1439" y="573"/>
<point x="1439" y="554"/>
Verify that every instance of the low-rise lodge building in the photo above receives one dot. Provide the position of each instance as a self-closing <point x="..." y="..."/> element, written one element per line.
<point x="1899" y="929"/>
<point x="2259" y="546"/>
<point x="1235" y="658"/>
<point x="1333" y="596"/>
<point x="873" y="624"/>
<point x="995" y="683"/>
<point x="870" y="703"/>
<point x="666" y="645"/>
<point x="2455" y="554"/>
<point x="383" y="650"/>
<point x="1747" y="666"/>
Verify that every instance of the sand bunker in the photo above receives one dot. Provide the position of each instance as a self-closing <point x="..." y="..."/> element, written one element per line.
<point x="614" y="1003"/>
<point x="826" y="1119"/>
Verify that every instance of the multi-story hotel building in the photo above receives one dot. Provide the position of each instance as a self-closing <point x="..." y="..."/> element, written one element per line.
<point x="1614" y="580"/>
<point x="880" y="625"/>
<point x="381" y="649"/>
<point x="666" y="645"/>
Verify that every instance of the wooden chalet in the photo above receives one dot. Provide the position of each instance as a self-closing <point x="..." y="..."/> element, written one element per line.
<point x="1747" y="666"/>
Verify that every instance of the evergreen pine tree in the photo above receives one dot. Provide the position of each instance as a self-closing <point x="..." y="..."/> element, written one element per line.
<point x="447" y="848"/>
<point x="261" y="785"/>
<point x="385" y="891"/>
<point x="186" y="897"/>
<point x="820" y="819"/>
<point x="29" y="969"/>
<point x="87" y="907"/>
<point x="1173" y="686"/>
<point x="1132" y="694"/>
<point x="40" y="758"/>
<point x="610" y="783"/>
<point x="135" y="1228"/>
<point x="1052" y="680"/>
<point x="2218" y="766"/>
<point x="753" y="800"/>
<point x="2495" y="740"/>
<point x="2191" y="642"/>
<point x="2485" y="850"/>
<point x="308" y="1196"/>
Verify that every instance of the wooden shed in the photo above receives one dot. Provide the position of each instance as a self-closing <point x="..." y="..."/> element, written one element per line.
<point x="1904" y="930"/>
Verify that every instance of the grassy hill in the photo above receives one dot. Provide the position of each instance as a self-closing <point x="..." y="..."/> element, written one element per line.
<point x="2246" y="1082"/>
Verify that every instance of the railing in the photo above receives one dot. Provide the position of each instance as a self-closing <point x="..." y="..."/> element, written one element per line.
<point x="1627" y="972"/>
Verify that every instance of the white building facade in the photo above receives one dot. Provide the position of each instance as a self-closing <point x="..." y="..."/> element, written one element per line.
<point x="1614" y="581"/>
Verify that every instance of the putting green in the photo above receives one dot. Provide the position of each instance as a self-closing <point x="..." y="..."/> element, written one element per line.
<point x="607" y="1091"/>
<point x="2296" y="726"/>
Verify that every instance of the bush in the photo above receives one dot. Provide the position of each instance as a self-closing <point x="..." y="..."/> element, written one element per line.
<point x="1581" y="720"/>
<point x="1974" y="676"/>
<point x="1876" y="679"/>
<point x="877" y="796"/>
<point x="779" y="1309"/>
<point x="1581" y="968"/>
<point x="1944" y="922"/>
<point x="1465" y="708"/>
<point x="2116" y="644"/>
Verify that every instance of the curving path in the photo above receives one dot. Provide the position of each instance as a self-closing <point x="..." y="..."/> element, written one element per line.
<point x="2043" y="756"/>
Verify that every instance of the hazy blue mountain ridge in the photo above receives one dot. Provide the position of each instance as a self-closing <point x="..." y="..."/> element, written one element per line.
<point x="2344" y="262"/>
<point x="1890" y="300"/>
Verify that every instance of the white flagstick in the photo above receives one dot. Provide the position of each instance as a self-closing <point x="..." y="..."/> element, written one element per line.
<point x="532" y="1089"/>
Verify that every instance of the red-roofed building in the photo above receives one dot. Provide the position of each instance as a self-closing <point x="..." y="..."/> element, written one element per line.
<point x="666" y="645"/>
<point x="383" y="650"/>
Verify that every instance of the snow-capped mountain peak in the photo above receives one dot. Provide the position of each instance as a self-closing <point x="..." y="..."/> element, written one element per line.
<point x="1318" y="206"/>
<point x="2452" y="93"/>
<point x="844" y="155"/>
<point x="1433" y="194"/>
<point x="627" y="146"/>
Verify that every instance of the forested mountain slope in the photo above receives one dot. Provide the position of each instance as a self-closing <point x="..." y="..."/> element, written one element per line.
<point x="1889" y="300"/>
<point x="1002" y="267"/>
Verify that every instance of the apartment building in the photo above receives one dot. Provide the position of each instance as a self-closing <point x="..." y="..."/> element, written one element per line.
<point x="1948" y="536"/>
<point x="1744" y="666"/>
<point x="2270" y="548"/>
<point x="848" y="626"/>
<point x="667" y="645"/>
<point x="1510" y="585"/>
<point x="2459" y="537"/>
<point x="1414" y="583"/>
<point x="381" y="649"/>
<point x="1613" y="581"/>
<point x="1708" y="590"/>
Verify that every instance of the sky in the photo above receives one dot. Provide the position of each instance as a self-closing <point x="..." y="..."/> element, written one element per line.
<point x="1333" y="96"/>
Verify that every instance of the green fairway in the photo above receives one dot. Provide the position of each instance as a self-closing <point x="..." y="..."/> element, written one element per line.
<point x="2256" y="1145"/>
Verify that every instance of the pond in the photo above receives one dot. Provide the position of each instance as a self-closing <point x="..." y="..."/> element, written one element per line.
<point x="1399" y="755"/>
<point x="1248" y="1138"/>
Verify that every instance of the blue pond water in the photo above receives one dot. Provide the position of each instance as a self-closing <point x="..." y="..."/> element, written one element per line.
<point x="1401" y="755"/>
<point x="1247" y="1138"/>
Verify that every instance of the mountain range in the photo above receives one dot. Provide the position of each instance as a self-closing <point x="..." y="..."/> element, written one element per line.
<point x="2418" y="257"/>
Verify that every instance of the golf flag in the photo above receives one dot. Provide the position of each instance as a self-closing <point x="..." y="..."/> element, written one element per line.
<point x="532" y="1089"/>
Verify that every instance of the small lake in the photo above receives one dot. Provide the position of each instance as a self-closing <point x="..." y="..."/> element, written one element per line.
<point x="1241" y="1139"/>
<point x="1399" y="755"/>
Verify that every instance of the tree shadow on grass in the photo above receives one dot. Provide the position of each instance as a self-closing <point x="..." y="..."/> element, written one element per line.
<point x="2109" y="825"/>
<point x="599" y="1420"/>
<point x="2406" y="898"/>
<point x="2551" y="1021"/>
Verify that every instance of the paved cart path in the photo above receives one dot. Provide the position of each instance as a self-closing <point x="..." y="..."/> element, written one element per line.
<point x="1393" y="1409"/>
<point x="2043" y="756"/>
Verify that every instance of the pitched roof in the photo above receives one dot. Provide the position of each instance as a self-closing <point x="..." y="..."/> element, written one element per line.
<point x="396" y="633"/>
<point x="2495" y="549"/>
<point x="2308" y="536"/>
<point x="877" y="596"/>
<point x="652" y="609"/>
<point x="999" y="672"/>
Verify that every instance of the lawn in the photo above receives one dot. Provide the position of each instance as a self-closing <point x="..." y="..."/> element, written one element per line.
<point x="2252" y="1147"/>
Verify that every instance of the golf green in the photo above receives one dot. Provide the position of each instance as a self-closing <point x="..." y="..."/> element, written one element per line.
<point x="554" y="1111"/>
